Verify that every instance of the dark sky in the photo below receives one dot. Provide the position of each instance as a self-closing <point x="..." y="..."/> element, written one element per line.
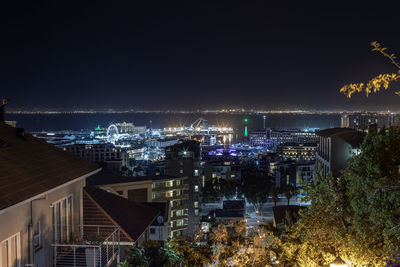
<point x="193" y="54"/>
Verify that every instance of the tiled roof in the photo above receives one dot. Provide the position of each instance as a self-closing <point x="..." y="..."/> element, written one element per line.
<point x="163" y="207"/>
<point x="132" y="217"/>
<point x="29" y="166"/>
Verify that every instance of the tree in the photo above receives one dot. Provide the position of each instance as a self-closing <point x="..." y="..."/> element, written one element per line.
<point x="153" y="254"/>
<point x="256" y="188"/>
<point x="212" y="190"/>
<point x="376" y="83"/>
<point x="289" y="191"/>
<point x="275" y="195"/>
<point x="356" y="215"/>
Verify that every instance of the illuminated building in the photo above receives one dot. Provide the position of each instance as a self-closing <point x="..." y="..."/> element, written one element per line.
<point x="294" y="173"/>
<point x="297" y="151"/>
<point x="345" y="121"/>
<point x="151" y="189"/>
<point x="274" y="137"/>
<point x="359" y="121"/>
<point x="183" y="159"/>
<point x="161" y="142"/>
<point x="112" y="156"/>
<point x="130" y="128"/>
<point x="335" y="146"/>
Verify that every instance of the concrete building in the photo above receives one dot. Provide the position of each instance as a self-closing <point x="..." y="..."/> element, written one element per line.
<point x="130" y="128"/>
<point x="297" y="151"/>
<point x="162" y="143"/>
<point x="183" y="159"/>
<point x="335" y="146"/>
<point x="151" y="189"/>
<point x="41" y="210"/>
<point x="359" y="121"/>
<point x="294" y="173"/>
<point x="274" y="137"/>
<point x="113" y="157"/>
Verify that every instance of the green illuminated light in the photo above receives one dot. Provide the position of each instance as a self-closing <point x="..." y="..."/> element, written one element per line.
<point x="246" y="120"/>
<point x="98" y="128"/>
<point x="245" y="131"/>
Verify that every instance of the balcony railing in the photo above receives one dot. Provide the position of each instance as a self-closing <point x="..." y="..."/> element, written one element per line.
<point x="98" y="247"/>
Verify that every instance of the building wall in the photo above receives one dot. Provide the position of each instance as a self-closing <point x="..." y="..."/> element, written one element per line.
<point x="17" y="220"/>
<point x="174" y="191"/>
<point x="123" y="189"/>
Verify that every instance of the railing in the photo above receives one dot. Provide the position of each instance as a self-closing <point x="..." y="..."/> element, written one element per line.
<point x="98" y="247"/>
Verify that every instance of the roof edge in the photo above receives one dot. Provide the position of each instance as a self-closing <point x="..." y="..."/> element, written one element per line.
<point x="49" y="191"/>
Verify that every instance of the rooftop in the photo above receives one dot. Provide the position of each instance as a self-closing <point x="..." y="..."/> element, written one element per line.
<point x="29" y="166"/>
<point x="132" y="217"/>
<point x="351" y="136"/>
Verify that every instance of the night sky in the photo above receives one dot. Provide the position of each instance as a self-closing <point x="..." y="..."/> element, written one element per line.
<point x="193" y="54"/>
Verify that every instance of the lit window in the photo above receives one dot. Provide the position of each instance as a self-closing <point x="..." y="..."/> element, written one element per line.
<point x="196" y="204"/>
<point x="169" y="193"/>
<point x="153" y="195"/>
<point x="178" y="192"/>
<point x="181" y="171"/>
<point x="196" y="212"/>
<point x="169" y="184"/>
<point x="214" y="175"/>
<point x="178" y="182"/>
<point x="153" y="185"/>
<point x="196" y="188"/>
<point x="196" y="172"/>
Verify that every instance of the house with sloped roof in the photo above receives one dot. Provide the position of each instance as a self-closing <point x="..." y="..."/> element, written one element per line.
<point x="133" y="219"/>
<point x="41" y="197"/>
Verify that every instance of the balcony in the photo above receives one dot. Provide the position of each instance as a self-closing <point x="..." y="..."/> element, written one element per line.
<point x="99" y="246"/>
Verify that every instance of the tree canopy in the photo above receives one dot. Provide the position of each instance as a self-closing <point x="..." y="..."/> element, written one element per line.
<point x="355" y="215"/>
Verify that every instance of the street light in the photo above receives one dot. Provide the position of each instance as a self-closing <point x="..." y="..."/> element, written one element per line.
<point x="338" y="262"/>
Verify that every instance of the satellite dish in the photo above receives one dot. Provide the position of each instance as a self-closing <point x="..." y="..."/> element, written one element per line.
<point x="160" y="219"/>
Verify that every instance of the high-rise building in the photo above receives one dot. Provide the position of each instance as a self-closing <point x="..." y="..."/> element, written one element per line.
<point x="183" y="159"/>
<point x="359" y="121"/>
<point x="345" y="122"/>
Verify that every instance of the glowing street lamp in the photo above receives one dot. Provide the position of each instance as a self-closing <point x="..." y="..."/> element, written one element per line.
<point x="338" y="262"/>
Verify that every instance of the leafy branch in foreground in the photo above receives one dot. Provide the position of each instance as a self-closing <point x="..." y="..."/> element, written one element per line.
<point x="376" y="83"/>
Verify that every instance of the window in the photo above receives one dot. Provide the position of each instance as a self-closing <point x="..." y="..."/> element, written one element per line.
<point x="62" y="219"/>
<point x="181" y="171"/>
<point x="196" y="212"/>
<point x="169" y="193"/>
<point x="196" y="172"/>
<point x="152" y="231"/>
<point x="214" y="175"/>
<point x="169" y="184"/>
<point x="179" y="223"/>
<point x="10" y="251"/>
<point x="153" y="185"/>
<point x="153" y="195"/>
<point x="178" y="182"/>
<point x="196" y="188"/>
<point x="196" y="204"/>
<point x="171" y="203"/>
